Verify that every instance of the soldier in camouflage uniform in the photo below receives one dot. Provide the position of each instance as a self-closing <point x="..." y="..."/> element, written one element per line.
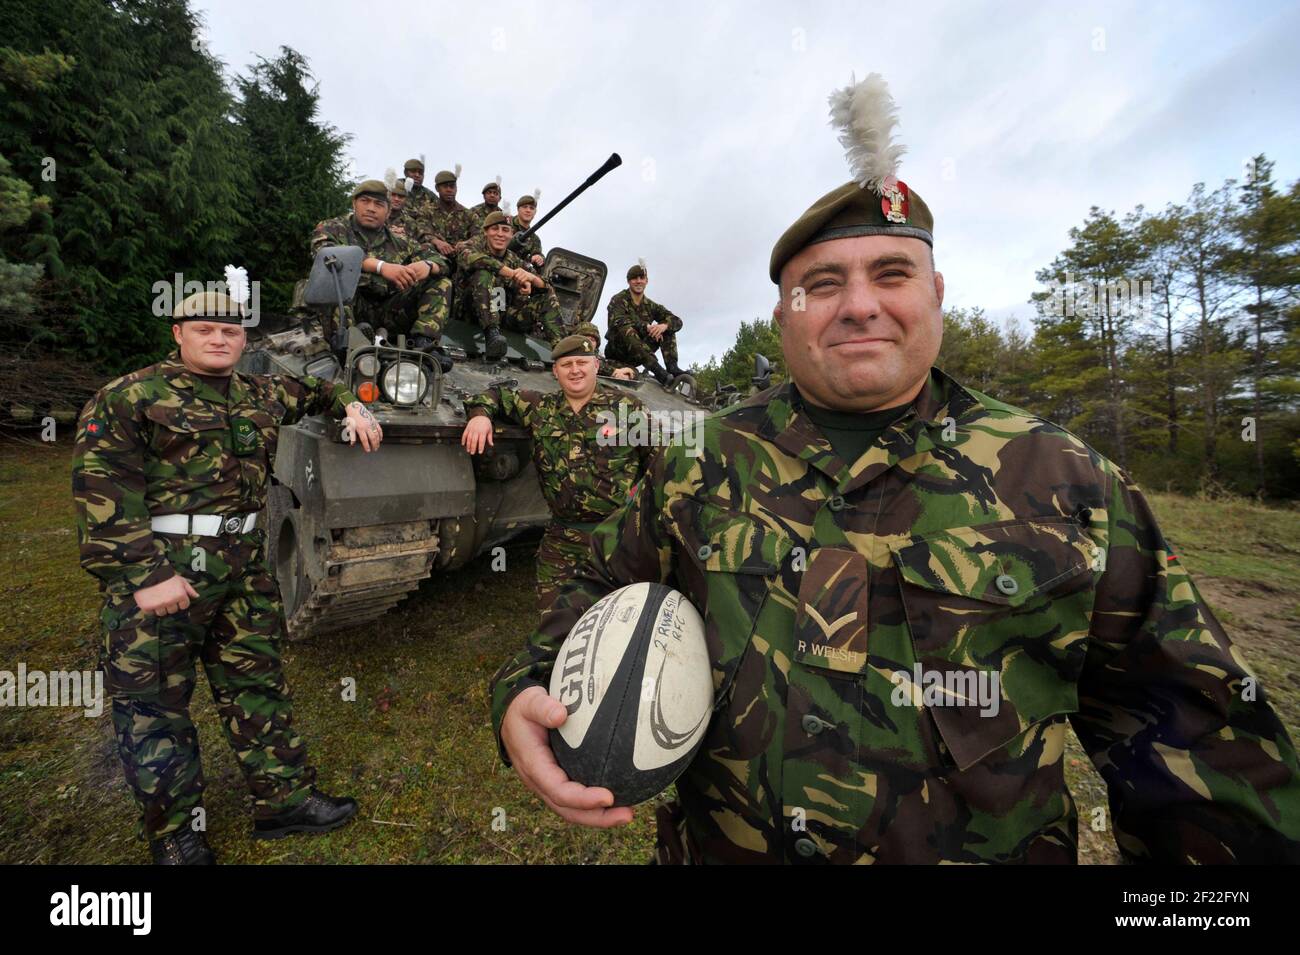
<point x="585" y="463"/>
<point x="397" y="221"/>
<point x="491" y="203"/>
<point x="445" y="223"/>
<point x="404" y="287"/>
<point x="170" y="470"/>
<point x="531" y="248"/>
<point x="606" y="367"/>
<point x="420" y="197"/>
<point x="638" y="327"/>
<point x="495" y="288"/>
<point x="910" y="589"/>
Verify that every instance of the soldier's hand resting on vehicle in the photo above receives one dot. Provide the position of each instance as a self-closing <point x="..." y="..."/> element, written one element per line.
<point x="360" y="423"/>
<point x="477" y="435"/>
<point x="524" y="732"/>
<point x="171" y="595"/>
<point x="627" y="374"/>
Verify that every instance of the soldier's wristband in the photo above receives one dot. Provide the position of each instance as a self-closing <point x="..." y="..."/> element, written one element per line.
<point x="379" y="267"/>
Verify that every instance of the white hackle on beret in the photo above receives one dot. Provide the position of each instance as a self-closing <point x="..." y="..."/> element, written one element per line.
<point x="498" y="180"/>
<point x="237" y="286"/>
<point x="390" y="178"/>
<point x="865" y="116"/>
<point x="505" y="208"/>
<point x="537" y="193"/>
<point x="456" y="173"/>
<point x="410" y="185"/>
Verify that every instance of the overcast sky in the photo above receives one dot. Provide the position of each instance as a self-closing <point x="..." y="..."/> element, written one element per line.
<point x="1017" y="117"/>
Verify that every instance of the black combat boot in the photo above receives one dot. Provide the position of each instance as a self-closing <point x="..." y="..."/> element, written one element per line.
<point x="182" y="847"/>
<point x="316" y="813"/>
<point x="652" y="365"/>
<point x="675" y="370"/>
<point x="496" y="343"/>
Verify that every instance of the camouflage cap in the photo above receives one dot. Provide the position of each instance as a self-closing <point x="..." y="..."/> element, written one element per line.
<point x="371" y="187"/>
<point x="413" y="165"/>
<point x="528" y="200"/>
<point x="587" y="329"/>
<point x="208" y="306"/>
<point x="496" y="217"/>
<point x="850" y="211"/>
<point x="637" y="272"/>
<point x="444" y="176"/>
<point x="573" y="345"/>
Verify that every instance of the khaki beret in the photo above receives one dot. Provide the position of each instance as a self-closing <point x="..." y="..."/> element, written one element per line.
<point x="587" y="329"/>
<point x="573" y="345"/>
<point x="399" y="188"/>
<point x="371" y="187"/>
<point x="636" y="271"/>
<point x="413" y="165"/>
<point x="209" y="306"/>
<point x="496" y="217"/>
<point x="850" y="211"/>
<point x="445" y="176"/>
<point x="492" y="185"/>
<point x="528" y="200"/>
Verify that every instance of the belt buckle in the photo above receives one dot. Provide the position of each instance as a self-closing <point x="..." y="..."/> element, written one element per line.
<point x="233" y="524"/>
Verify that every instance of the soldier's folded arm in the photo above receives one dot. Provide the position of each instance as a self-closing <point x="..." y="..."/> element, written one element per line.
<point x="309" y="395"/>
<point x="1198" y="766"/>
<point x="108" y="483"/>
<point x="629" y="546"/>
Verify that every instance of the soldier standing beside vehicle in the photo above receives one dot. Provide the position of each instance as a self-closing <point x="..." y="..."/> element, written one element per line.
<point x="638" y="327"/>
<point x="585" y="464"/>
<point x="497" y="289"/>
<point x="169" y="474"/>
<point x="874" y="547"/>
<point x="404" y="287"/>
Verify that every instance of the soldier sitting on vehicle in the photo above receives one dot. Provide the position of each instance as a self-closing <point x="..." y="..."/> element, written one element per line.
<point x="531" y="248"/>
<point x="491" y="203"/>
<point x="404" y="286"/>
<point x="495" y="288"/>
<point x="639" y="327"/>
<point x="445" y="223"/>
<point x="607" y="368"/>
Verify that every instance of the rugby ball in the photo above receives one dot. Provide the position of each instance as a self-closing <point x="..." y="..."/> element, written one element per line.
<point x="635" y="677"/>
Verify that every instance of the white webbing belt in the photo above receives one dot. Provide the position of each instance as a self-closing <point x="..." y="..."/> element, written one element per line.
<point x="203" y="525"/>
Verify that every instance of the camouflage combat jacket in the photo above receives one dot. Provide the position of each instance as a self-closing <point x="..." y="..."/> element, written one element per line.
<point x="451" y="225"/>
<point x="419" y="198"/>
<point x="897" y="647"/>
<point x="530" y="246"/>
<point x="585" y="462"/>
<point x="480" y="212"/>
<point x="623" y="311"/>
<point x="161" y="441"/>
<point x="382" y="243"/>
<point x="476" y="254"/>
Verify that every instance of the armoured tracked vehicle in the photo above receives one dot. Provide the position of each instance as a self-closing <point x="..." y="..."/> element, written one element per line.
<point x="350" y="535"/>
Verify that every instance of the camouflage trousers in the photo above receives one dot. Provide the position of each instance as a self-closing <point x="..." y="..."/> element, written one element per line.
<point x="234" y="629"/>
<point x="420" y="310"/>
<point x="561" y="550"/>
<point x="631" y="345"/>
<point x="491" y="300"/>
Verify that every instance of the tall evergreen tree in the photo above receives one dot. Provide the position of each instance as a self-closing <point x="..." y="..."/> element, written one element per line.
<point x="297" y="166"/>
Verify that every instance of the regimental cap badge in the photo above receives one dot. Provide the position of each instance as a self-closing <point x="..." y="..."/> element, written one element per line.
<point x="893" y="202"/>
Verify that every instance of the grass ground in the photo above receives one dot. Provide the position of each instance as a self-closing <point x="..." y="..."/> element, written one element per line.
<point x="416" y="747"/>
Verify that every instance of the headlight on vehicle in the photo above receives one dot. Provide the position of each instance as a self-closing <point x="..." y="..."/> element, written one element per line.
<point x="404" y="383"/>
<point x="367" y="366"/>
